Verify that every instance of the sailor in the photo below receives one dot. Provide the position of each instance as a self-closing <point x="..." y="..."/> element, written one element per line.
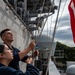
<point x="6" y="56"/>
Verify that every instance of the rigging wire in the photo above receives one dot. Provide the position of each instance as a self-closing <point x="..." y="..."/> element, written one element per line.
<point x="53" y="36"/>
<point x="45" y="21"/>
<point x="42" y="6"/>
<point x="43" y="26"/>
<point x="50" y="25"/>
<point x="62" y="12"/>
<point x="47" y="29"/>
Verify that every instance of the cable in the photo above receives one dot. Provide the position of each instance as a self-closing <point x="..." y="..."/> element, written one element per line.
<point x="45" y="21"/>
<point x="53" y="36"/>
<point x="62" y="11"/>
<point x="50" y="25"/>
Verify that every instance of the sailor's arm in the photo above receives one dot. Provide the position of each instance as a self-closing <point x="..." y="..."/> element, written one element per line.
<point x="27" y="50"/>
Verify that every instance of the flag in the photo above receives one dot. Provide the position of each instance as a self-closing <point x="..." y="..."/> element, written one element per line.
<point x="71" y="8"/>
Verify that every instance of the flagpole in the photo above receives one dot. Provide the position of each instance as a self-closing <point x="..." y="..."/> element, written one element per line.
<point x="53" y="36"/>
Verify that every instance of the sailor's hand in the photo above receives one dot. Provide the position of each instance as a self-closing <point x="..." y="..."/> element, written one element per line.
<point x="32" y="45"/>
<point x="29" y="60"/>
<point x="36" y="53"/>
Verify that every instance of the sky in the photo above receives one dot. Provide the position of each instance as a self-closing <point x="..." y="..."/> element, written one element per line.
<point x="63" y="31"/>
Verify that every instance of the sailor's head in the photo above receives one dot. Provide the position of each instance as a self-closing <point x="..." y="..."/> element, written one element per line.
<point x="6" y="35"/>
<point x="5" y="52"/>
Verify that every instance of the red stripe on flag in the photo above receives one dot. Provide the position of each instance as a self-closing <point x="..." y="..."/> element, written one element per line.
<point x="71" y="8"/>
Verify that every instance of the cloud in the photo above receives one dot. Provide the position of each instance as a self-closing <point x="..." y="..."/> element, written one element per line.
<point x="63" y="34"/>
